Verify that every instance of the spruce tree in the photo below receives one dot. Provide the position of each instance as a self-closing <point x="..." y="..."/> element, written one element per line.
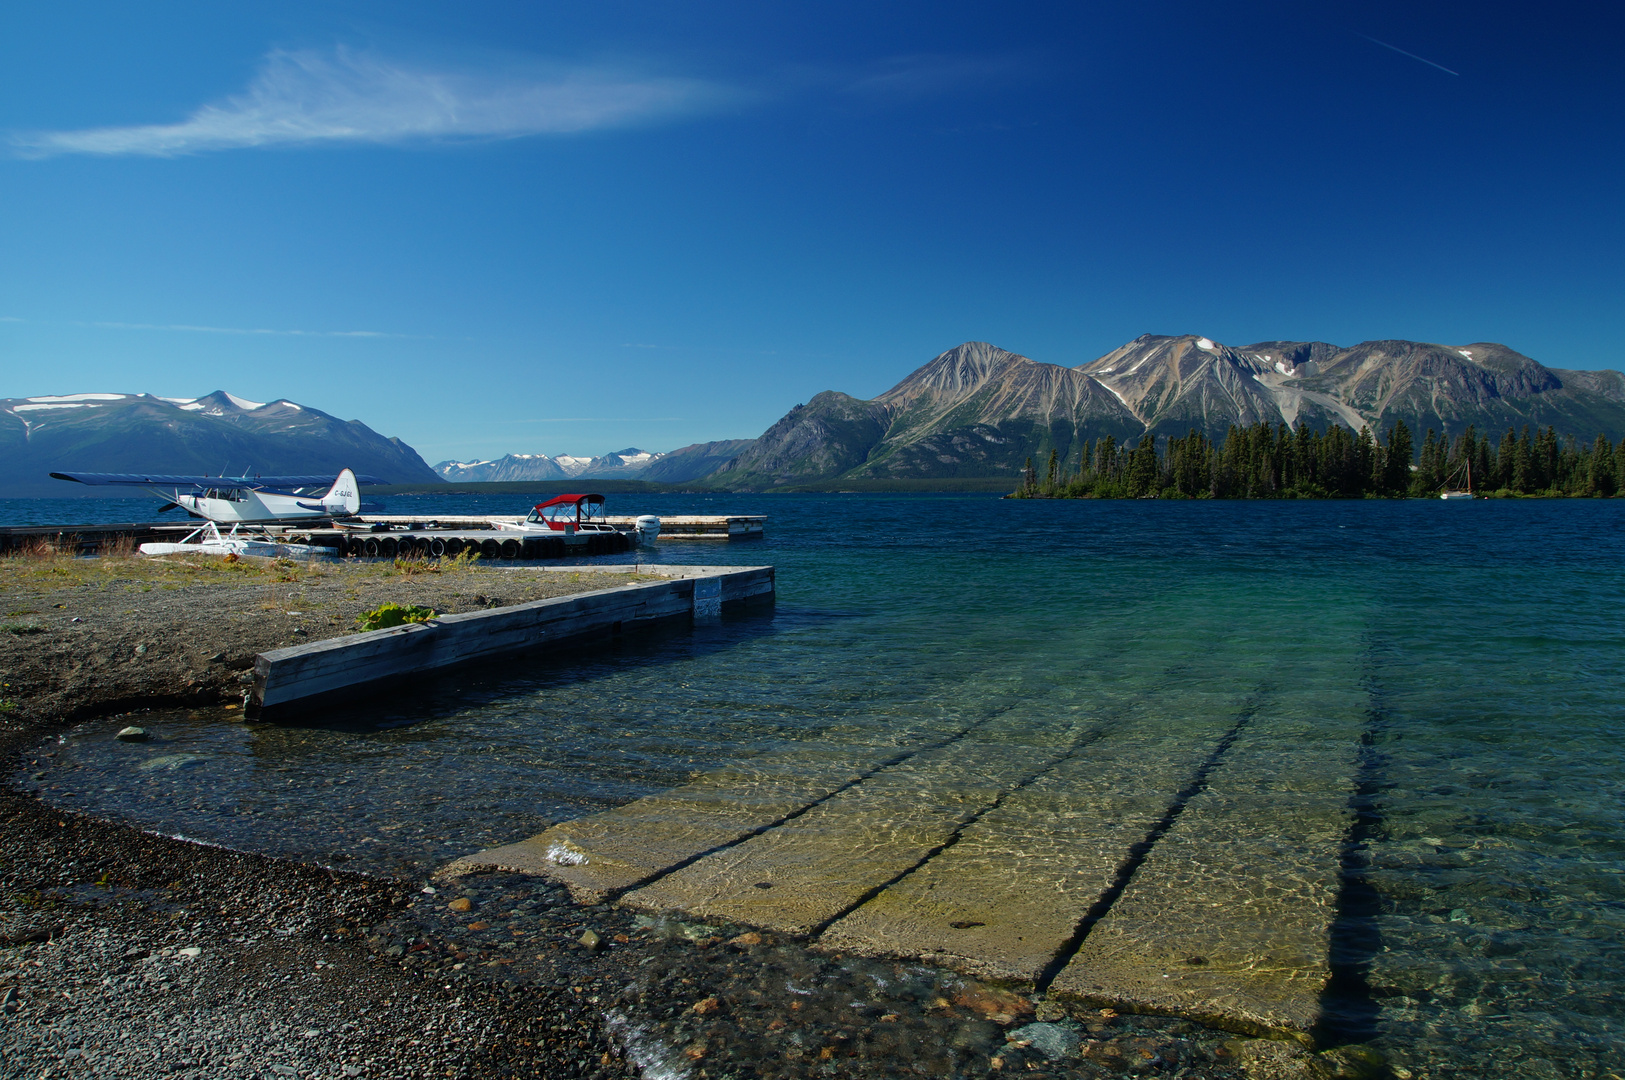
<point x="1397" y="460"/>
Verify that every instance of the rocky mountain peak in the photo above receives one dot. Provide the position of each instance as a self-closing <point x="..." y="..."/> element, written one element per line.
<point x="959" y="371"/>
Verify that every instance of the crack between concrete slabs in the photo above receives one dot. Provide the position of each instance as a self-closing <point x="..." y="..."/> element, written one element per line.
<point x="891" y="762"/>
<point x="1142" y="850"/>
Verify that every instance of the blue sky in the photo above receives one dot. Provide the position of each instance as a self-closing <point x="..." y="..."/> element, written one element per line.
<point x="556" y="228"/>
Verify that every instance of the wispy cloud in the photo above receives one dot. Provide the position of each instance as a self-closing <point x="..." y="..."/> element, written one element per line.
<point x="183" y="328"/>
<point x="9" y="318"/>
<point x="1412" y="55"/>
<point x="347" y="96"/>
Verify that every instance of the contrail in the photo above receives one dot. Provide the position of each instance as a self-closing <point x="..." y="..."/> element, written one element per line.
<point x="1412" y="55"/>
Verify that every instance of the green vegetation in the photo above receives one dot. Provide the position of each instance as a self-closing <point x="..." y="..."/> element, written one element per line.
<point x="392" y="614"/>
<point x="1278" y="462"/>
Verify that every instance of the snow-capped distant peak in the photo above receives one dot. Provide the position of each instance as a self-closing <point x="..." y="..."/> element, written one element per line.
<point x="79" y="397"/>
<point x="572" y="466"/>
<point x="55" y="405"/>
<point x="244" y="403"/>
<point x="1204" y="344"/>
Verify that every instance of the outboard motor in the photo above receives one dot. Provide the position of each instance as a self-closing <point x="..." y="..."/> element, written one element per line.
<point x="648" y="528"/>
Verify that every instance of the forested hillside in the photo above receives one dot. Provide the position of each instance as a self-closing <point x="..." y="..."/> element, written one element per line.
<point x="1267" y="461"/>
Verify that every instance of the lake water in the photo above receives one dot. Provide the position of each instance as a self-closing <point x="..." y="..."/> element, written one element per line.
<point x="1477" y="650"/>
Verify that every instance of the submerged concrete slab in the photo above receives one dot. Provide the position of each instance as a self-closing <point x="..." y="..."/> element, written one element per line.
<point x="606" y="853"/>
<point x="1228" y="919"/>
<point x="1008" y="896"/>
<point x="798" y="876"/>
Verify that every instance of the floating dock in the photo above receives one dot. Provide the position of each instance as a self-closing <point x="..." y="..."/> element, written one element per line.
<point x="393" y="535"/>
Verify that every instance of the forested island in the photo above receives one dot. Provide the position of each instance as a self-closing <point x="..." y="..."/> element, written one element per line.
<point x="1267" y="461"/>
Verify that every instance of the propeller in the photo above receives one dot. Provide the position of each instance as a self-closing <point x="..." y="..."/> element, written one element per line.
<point x="167" y="507"/>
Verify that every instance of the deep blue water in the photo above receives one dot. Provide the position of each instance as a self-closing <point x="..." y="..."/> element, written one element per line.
<point x="1477" y="649"/>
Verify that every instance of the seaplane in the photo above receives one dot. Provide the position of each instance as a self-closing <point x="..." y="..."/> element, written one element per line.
<point x="245" y="500"/>
<point x="252" y="501"/>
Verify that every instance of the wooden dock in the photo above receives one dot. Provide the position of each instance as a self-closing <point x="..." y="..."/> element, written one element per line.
<point x="392" y="535"/>
<point x="672" y="527"/>
<point x="305" y="676"/>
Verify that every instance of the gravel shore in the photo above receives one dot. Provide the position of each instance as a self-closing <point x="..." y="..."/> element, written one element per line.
<point x="125" y="954"/>
<point x="131" y="955"/>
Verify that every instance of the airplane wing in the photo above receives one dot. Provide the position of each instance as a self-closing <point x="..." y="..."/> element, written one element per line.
<point x="165" y="481"/>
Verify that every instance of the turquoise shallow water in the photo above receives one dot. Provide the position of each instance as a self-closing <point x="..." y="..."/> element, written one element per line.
<point x="1474" y="650"/>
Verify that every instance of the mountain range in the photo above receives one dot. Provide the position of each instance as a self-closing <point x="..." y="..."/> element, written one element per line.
<point x="214" y="434"/>
<point x="676" y="467"/>
<point x="978" y="410"/>
<point x="973" y="411"/>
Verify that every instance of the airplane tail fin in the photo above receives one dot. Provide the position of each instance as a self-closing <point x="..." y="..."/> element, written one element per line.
<point x="344" y="497"/>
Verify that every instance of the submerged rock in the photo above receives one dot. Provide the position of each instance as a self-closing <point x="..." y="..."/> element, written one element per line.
<point x="1054" y="1041"/>
<point x="132" y="734"/>
<point x="171" y="762"/>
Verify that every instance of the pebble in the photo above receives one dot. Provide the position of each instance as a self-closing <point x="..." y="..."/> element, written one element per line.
<point x="191" y="953"/>
<point x="132" y="734"/>
<point x="462" y="903"/>
<point x="591" y="941"/>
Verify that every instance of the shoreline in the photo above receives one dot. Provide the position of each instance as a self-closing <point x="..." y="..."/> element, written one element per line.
<point x="305" y="970"/>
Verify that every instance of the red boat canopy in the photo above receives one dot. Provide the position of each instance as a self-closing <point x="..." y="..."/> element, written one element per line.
<point x="560" y="500"/>
<point x="562" y="510"/>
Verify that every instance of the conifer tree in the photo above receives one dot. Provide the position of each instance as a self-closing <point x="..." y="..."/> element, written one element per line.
<point x="1396" y="476"/>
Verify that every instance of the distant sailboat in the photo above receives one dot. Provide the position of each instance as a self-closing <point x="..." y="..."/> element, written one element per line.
<point x="1452" y="493"/>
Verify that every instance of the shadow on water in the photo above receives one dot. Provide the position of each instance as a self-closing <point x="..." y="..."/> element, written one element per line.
<point x="433" y="696"/>
<point x="1348" y="1011"/>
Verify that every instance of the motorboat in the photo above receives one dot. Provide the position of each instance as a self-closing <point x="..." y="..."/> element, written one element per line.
<point x="573" y="515"/>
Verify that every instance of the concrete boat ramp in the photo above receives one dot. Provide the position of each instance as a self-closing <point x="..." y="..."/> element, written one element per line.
<point x="1176" y="852"/>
